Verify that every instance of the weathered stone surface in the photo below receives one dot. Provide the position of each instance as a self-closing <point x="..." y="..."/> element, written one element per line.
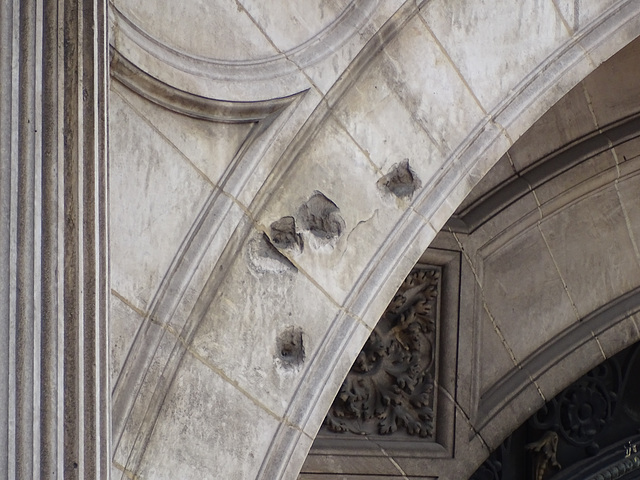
<point x="285" y="235"/>
<point x="267" y="253"/>
<point x="401" y="181"/>
<point x="229" y="340"/>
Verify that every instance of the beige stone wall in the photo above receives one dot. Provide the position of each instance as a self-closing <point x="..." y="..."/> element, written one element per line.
<point x="204" y="285"/>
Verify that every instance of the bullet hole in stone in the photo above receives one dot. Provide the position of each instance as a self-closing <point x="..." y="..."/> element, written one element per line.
<point x="290" y="347"/>
<point x="400" y="181"/>
<point x="321" y="217"/>
<point x="284" y="234"/>
<point x="263" y="257"/>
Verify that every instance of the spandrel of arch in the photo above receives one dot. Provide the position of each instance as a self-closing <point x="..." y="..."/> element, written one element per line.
<point x="548" y="278"/>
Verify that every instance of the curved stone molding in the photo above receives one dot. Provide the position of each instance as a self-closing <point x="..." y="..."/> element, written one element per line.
<point x="192" y="105"/>
<point x="188" y="70"/>
<point x="549" y="356"/>
<point x="328" y="40"/>
<point x="546" y="169"/>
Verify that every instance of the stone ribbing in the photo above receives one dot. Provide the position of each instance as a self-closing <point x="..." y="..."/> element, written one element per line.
<point x="53" y="372"/>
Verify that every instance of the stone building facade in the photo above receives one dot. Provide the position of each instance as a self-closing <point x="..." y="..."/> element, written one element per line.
<point x="207" y="208"/>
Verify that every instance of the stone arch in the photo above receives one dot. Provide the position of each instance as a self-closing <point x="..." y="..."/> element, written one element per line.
<point x="325" y="146"/>
<point x="553" y="223"/>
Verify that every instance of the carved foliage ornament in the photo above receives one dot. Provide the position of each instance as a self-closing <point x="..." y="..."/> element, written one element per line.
<point x="581" y="412"/>
<point x="391" y="385"/>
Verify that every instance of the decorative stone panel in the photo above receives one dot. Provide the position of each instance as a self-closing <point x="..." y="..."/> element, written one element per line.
<point x="391" y="384"/>
<point x="396" y="399"/>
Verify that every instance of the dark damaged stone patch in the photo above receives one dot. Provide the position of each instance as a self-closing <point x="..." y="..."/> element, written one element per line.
<point x="284" y="235"/>
<point x="321" y="217"/>
<point x="290" y="347"/>
<point x="400" y="181"/>
<point x="263" y="257"/>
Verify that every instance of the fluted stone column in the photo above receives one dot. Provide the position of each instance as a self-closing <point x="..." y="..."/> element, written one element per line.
<point x="54" y="420"/>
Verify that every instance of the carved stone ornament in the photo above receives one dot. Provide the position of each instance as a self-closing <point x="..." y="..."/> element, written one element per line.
<point x="391" y="385"/>
<point x="581" y="411"/>
<point x="545" y="451"/>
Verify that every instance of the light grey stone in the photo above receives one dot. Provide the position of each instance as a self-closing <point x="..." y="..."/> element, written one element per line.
<point x="155" y="197"/>
<point x="414" y="64"/>
<point x="590" y="243"/>
<point x="290" y="25"/>
<point x="192" y="437"/>
<point x="229" y="31"/>
<point x="125" y="323"/>
<point x="278" y="299"/>
<point x="579" y="14"/>
<point x="209" y="146"/>
<point x="490" y="35"/>
<point x="372" y="102"/>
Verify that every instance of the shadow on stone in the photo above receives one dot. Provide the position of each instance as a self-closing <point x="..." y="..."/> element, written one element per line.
<point x="290" y="347"/>
<point x="263" y="257"/>
<point x="284" y="235"/>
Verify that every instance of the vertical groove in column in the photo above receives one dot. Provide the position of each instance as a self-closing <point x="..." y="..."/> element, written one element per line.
<point x="54" y="395"/>
<point x="102" y="77"/>
<point x="49" y="285"/>
<point x="25" y="246"/>
<point x="86" y="433"/>
<point x="93" y="266"/>
<point x="89" y="238"/>
<point x="6" y="85"/>
<point x="72" y="289"/>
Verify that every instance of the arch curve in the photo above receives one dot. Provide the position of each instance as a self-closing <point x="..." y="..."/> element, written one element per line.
<point x="384" y="107"/>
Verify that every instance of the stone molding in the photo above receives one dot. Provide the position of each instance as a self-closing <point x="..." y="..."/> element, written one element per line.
<point x="189" y="104"/>
<point x="247" y="80"/>
<point x="552" y="354"/>
<point x="54" y="409"/>
<point x="544" y="170"/>
<point x="149" y="370"/>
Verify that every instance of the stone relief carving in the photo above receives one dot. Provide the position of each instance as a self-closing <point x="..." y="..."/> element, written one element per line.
<point x="390" y="387"/>
<point x="545" y="450"/>
<point x="582" y="411"/>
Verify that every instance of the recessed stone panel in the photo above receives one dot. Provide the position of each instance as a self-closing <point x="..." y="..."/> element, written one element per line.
<point x="155" y="195"/>
<point x="592" y="248"/>
<point x="524" y="292"/>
